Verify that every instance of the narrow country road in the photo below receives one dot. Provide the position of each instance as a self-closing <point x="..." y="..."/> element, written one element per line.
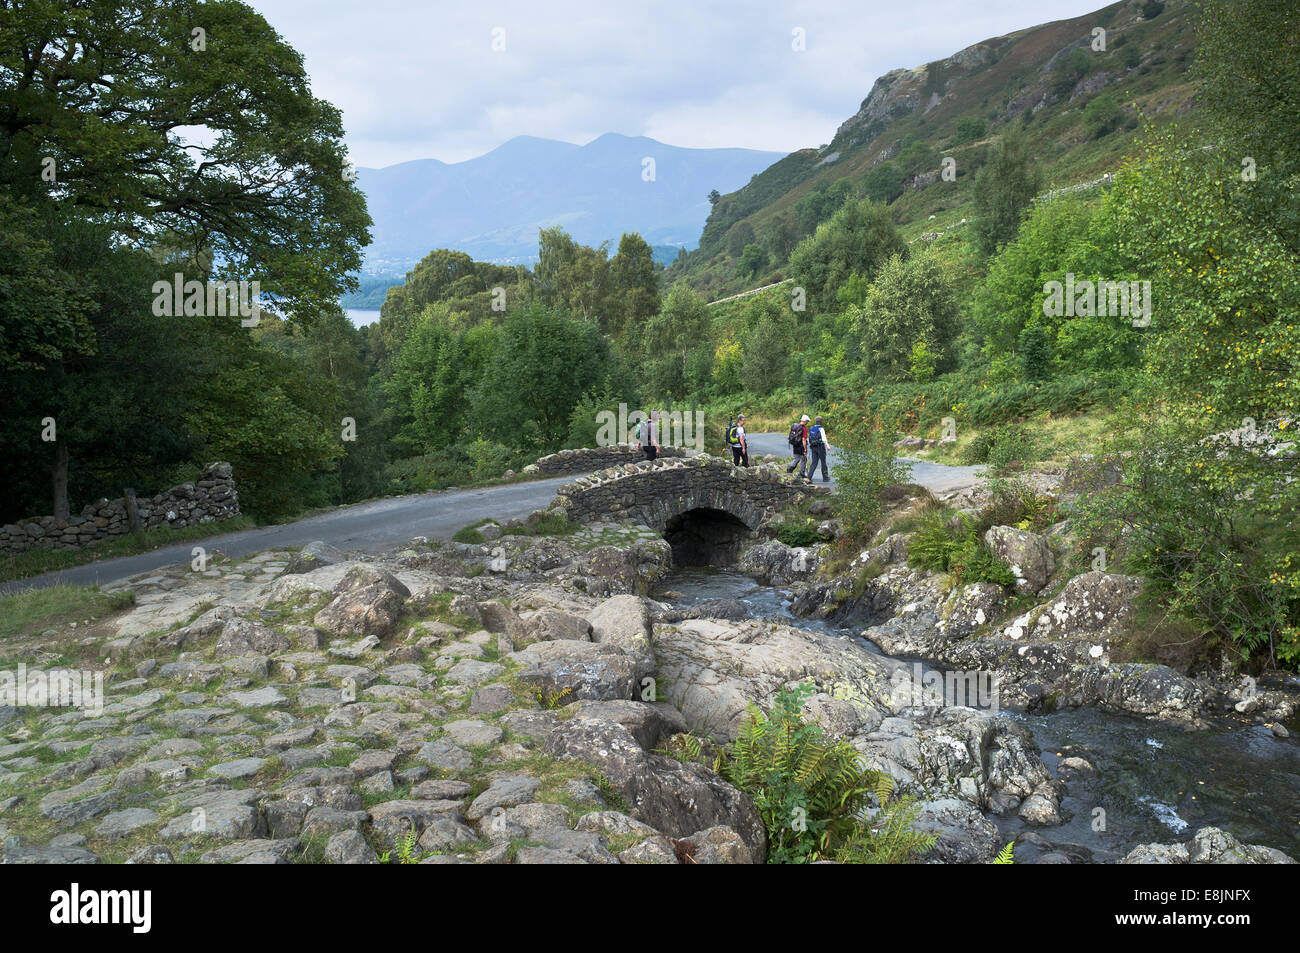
<point x="935" y="477"/>
<point x="382" y="523"/>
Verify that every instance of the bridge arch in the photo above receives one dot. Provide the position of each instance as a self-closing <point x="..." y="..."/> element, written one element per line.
<point x="689" y="500"/>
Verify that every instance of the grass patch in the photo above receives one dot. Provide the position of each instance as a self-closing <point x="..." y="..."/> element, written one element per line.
<point x="34" y="562"/>
<point x="25" y="613"/>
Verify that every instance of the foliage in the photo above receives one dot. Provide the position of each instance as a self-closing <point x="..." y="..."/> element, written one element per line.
<point x="1210" y="522"/>
<point x="867" y="467"/>
<point x="1004" y="188"/>
<point x="858" y="239"/>
<point x="808" y="790"/>
<point x="951" y="543"/>
<point x="796" y="533"/>
<point x="1006" y="854"/>
<point x="911" y="300"/>
<point x="889" y="836"/>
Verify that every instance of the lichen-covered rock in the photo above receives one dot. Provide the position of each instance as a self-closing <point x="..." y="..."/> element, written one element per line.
<point x="1210" y="846"/>
<point x="1028" y="554"/>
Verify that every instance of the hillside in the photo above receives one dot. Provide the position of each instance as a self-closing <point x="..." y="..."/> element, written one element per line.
<point x="492" y="206"/>
<point x="1078" y="107"/>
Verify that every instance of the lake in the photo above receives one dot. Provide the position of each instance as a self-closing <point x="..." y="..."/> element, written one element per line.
<point x="361" y="318"/>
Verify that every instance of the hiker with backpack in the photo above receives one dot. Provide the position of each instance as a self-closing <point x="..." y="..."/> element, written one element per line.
<point x="799" y="445"/>
<point x="646" y="437"/>
<point x="736" y="440"/>
<point x="817" y="446"/>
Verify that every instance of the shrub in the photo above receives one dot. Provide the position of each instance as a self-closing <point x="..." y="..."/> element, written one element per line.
<point x="867" y="467"/>
<point x="796" y="534"/>
<point x="808" y="790"/>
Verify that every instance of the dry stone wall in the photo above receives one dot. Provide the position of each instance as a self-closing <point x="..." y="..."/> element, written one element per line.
<point x="210" y="498"/>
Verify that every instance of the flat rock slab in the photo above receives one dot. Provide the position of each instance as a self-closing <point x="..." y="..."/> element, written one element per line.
<point x="268" y="697"/>
<point x="239" y="769"/>
<point x="124" y="823"/>
<point x="469" y="732"/>
<point x="446" y="755"/>
<point x="473" y="673"/>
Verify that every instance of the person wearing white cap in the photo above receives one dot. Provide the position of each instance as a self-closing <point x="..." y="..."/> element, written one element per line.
<point x="799" y="445"/>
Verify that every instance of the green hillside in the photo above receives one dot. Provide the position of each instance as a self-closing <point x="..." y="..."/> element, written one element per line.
<point x="1078" y="108"/>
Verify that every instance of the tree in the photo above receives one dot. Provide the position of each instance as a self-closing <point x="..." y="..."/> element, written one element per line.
<point x="857" y="240"/>
<point x="752" y="260"/>
<point x="634" y="283"/>
<point x="109" y="91"/>
<point x="1004" y="189"/>
<point x="821" y="203"/>
<point x="714" y="197"/>
<point x="681" y="325"/>
<point x="1102" y="116"/>
<point x="911" y="300"/>
<point x="780" y="235"/>
<point x="741" y="234"/>
<point x="543" y="363"/>
<point x="98" y="104"/>
<point x="884" y="183"/>
<point x="768" y="346"/>
<point x="1250" y="85"/>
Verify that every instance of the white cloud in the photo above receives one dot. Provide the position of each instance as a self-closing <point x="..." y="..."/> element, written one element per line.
<point x="417" y="80"/>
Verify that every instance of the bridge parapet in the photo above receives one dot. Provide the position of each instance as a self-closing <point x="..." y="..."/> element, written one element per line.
<point x="654" y="492"/>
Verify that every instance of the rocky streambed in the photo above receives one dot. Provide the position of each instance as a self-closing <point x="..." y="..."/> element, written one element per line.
<point x="1128" y="780"/>
<point x="529" y="700"/>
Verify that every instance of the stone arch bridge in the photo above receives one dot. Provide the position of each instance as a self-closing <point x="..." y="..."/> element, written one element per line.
<point x="705" y="507"/>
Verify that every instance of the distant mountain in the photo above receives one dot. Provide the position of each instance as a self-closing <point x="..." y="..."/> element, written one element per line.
<point x="492" y="207"/>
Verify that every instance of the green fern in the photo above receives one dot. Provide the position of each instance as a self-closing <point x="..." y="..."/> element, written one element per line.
<point x="888" y="836"/>
<point x="405" y="850"/>
<point x="809" y="790"/>
<point x="1004" y="855"/>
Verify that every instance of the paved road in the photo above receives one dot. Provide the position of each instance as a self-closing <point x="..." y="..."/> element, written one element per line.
<point x="935" y="477"/>
<point x="365" y="526"/>
<point x="375" y="526"/>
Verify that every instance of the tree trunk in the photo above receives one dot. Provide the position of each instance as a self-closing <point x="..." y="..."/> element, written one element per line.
<point x="60" y="479"/>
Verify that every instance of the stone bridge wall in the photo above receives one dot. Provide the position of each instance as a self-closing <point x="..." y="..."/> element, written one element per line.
<point x="210" y="498"/>
<point x="599" y="458"/>
<point x="654" y="492"/>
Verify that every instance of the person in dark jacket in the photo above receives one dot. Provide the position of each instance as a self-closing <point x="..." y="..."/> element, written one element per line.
<point x="817" y="446"/>
<point x="799" y="447"/>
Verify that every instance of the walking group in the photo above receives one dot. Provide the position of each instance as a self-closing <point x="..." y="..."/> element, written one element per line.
<point x="807" y="443"/>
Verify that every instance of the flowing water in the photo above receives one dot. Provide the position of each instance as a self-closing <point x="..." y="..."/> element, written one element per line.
<point x="1155" y="782"/>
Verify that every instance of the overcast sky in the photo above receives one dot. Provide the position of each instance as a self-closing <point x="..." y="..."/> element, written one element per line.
<point x="420" y="80"/>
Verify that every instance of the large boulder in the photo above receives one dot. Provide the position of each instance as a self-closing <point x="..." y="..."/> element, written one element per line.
<point x="1028" y="554"/>
<point x="622" y="621"/>
<point x="367" y="601"/>
<point x="675" y="797"/>
<point x="1142" y="689"/>
<point x="1210" y="846"/>
<point x="312" y="556"/>
<point x="776" y="564"/>
<point x="713" y="670"/>
<point x="569" y="670"/>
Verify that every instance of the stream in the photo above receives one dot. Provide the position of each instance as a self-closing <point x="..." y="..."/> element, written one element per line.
<point x="1155" y="782"/>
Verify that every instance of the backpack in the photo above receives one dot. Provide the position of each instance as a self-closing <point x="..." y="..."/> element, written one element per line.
<point x="816" y="436"/>
<point x="733" y="438"/>
<point x="796" y="435"/>
<point x="639" y="425"/>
